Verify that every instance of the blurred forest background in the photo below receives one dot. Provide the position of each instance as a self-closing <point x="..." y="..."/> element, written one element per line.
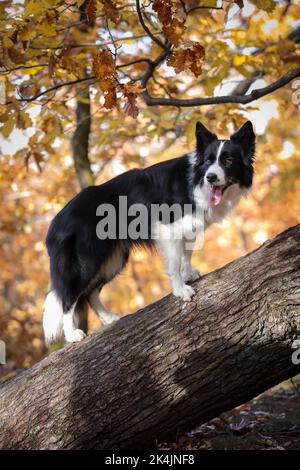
<point x="74" y="112"/>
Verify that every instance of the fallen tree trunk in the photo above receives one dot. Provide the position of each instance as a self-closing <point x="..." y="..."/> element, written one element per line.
<point x="169" y="367"/>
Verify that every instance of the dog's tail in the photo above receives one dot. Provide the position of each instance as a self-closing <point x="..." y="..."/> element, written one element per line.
<point x="52" y="318"/>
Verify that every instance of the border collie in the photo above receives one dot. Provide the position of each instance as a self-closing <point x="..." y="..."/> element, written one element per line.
<point x="213" y="179"/>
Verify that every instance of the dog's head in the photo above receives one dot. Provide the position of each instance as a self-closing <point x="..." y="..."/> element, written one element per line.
<point x="223" y="163"/>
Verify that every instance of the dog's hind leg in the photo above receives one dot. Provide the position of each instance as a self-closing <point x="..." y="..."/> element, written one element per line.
<point x="105" y="316"/>
<point x="71" y="332"/>
<point x="108" y="270"/>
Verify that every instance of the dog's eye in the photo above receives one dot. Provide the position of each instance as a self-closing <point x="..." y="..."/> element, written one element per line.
<point x="227" y="161"/>
<point x="210" y="159"/>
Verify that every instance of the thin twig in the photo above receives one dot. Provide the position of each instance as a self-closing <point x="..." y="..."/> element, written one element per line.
<point x="145" y="27"/>
<point x="91" y="45"/>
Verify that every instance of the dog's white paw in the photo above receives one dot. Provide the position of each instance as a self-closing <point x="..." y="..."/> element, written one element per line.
<point x="75" y="336"/>
<point x="192" y="275"/>
<point x="109" y="318"/>
<point x="184" y="292"/>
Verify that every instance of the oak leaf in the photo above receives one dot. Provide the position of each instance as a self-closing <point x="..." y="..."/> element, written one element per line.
<point x="107" y="84"/>
<point x="174" y="31"/>
<point x="163" y="9"/>
<point x="190" y="56"/>
<point x="111" y="10"/>
<point x="104" y="64"/>
<point x="131" y="91"/>
<point x="91" y="11"/>
<point x="130" y="107"/>
<point x="110" y="98"/>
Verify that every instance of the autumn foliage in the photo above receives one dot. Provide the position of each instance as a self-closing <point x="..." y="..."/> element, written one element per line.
<point x="127" y="54"/>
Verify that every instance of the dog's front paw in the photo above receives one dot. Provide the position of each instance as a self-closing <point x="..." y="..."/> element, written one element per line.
<point x="192" y="275"/>
<point x="75" y="336"/>
<point x="185" y="292"/>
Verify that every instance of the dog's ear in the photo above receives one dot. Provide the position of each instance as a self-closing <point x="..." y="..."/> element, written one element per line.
<point x="203" y="138"/>
<point x="245" y="137"/>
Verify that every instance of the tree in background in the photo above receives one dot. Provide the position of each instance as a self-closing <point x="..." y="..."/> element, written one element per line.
<point x="125" y="82"/>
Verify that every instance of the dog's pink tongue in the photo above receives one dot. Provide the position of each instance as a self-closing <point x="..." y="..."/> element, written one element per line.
<point x="215" y="195"/>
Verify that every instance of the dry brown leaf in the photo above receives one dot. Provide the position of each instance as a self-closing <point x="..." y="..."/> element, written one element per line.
<point x="163" y="9"/>
<point x="16" y="55"/>
<point x="104" y="68"/>
<point x="190" y="56"/>
<point x="131" y="108"/>
<point x="131" y="91"/>
<point x="107" y="84"/>
<point x="132" y="88"/>
<point x="173" y="27"/>
<point x="111" y="10"/>
<point x="91" y="11"/>
<point x="104" y="64"/>
<point x="110" y="98"/>
<point x="174" y="31"/>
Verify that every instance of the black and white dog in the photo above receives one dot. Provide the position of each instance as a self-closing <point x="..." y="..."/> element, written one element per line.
<point x="212" y="179"/>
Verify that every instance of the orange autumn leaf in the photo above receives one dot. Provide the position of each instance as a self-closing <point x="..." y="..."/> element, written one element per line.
<point x="107" y="84"/>
<point x="104" y="64"/>
<point x="131" y="108"/>
<point x="104" y="68"/>
<point x="190" y="56"/>
<point x="91" y="11"/>
<point x="173" y="27"/>
<point x="163" y="9"/>
<point x="132" y="88"/>
<point x="131" y="91"/>
<point x="174" y="31"/>
<point x="110" y="98"/>
<point x="111" y="10"/>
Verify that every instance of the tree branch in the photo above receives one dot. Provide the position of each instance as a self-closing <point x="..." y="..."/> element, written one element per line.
<point x="153" y="65"/>
<point x="21" y="67"/>
<point x="233" y="98"/>
<point x="203" y="7"/>
<point x="53" y="88"/>
<point x="95" y="45"/>
<point x="171" y="366"/>
<point x="145" y="27"/>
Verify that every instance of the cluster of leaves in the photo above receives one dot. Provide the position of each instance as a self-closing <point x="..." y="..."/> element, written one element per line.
<point x="188" y="57"/>
<point x="170" y="15"/>
<point x="104" y="67"/>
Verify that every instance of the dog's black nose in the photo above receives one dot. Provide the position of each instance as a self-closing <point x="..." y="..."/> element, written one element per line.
<point x="211" y="177"/>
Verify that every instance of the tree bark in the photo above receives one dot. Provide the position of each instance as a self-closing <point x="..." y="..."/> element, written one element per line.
<point x="170" y="366"/>
<point x="80" y="139"/>
<point x="81" y="136"/>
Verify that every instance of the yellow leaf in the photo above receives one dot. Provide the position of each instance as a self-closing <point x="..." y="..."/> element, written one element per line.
<point x="26" y="33"/>
<point x="46" y="29"/>
<point x="267" y="5"/>
<point x="32" y="8"/>
<point x="7" y="42"/>
<point x="7" y="128"/>
<point x="239" y="60"/>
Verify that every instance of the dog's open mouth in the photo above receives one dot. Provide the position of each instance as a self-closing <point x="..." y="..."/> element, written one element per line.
<point x="216" y="193"/>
